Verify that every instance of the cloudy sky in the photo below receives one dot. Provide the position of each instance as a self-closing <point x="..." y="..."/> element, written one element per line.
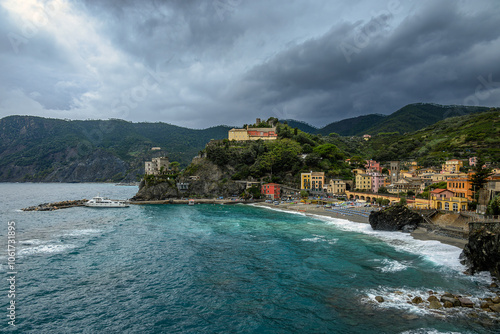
<point x="204" y="63"/>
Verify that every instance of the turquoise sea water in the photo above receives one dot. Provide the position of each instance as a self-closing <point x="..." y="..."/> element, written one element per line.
<point x="218" y="269"/>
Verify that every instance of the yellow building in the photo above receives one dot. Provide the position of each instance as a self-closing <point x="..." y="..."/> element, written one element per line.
<point x="363" y="182"/>
<point x="450" y="204"/>
<point x="444" y="199"/>
<point x="238" y="134"/>
<point x="452" y="166"/>
<point x="336" y="186"/>
<point x="312" y="181"/>
<point x="253" y="134"/>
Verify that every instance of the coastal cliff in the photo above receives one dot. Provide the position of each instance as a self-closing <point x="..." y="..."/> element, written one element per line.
<point x="203" y="179"/>
<point x="395" y="218"/>
<point x="482" y="252"/>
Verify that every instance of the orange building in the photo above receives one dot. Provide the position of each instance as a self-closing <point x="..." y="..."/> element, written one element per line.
<point x="271" y="190"/>
<point x="461" y="187"/>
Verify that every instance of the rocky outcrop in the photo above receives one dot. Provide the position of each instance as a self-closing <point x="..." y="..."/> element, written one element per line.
<point x="160" y="191"/>
<point x="56" y="205"/>
<point x="206" y="180"/>
<point x="482" y="252"/>
<point x="395" y="218"/>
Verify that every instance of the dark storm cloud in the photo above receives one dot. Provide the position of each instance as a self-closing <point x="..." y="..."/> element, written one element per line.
<point x="433" y="55"/>
<point x="202" y="63"/>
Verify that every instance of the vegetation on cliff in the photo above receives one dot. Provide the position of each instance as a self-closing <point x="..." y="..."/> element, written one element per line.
<point x="51" y="150"/>
<point x="280" y="160"/>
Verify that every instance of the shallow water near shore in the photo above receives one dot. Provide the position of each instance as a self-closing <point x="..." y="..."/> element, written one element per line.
<point x="220" y="269"/>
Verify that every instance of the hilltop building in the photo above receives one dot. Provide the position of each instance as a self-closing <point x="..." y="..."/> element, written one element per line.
<point x="157" y="166"/>
<point x="253" y="133"/>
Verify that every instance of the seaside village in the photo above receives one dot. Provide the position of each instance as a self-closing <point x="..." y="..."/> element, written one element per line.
<point x="378" y="182"/>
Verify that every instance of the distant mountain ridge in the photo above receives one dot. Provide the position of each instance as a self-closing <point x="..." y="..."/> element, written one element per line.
<point x="43" y="149"/>
<point x="410" y="118"/>
<point x="53" y="150"/>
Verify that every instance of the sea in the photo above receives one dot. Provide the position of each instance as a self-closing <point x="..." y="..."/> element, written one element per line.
<point x="216" y="269"/>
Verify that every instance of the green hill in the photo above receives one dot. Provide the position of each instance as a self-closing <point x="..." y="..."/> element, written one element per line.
<point x="302" y="126"/>
<point x="455" y="137"/>
<point x="407" y="119"/>
<point x="416" y="116"/>
<point x="42" y="149"/>
<point x="352" y="126"/>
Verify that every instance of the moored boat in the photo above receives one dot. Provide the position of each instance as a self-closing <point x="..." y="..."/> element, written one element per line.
<point x="191" y="202"/>
<point x="103" y="202"/>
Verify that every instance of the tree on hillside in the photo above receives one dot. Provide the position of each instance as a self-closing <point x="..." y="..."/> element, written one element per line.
<point x="478" y="179"/>
<point x="358" y="162"/>
<point x="383" y="190"/>
<point x="494" y="206"/>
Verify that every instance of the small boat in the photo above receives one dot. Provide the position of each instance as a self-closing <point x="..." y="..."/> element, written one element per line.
<point x="191" y="202"/>
<point x="103" y="202"/>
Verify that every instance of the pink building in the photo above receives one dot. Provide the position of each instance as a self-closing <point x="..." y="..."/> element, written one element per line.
<point x="472" y="161"/>
<point x="377" y="181"/>
<point x="441" y="194"/>
<point x="373" y="166"/>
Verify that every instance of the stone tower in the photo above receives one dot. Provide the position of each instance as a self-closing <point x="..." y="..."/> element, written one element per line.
<point x="395" y="168"/>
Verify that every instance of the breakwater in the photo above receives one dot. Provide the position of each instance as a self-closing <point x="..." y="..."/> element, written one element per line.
<point x="56" y="205"/>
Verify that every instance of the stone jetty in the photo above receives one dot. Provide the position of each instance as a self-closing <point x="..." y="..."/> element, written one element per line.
<point x="56" y="205"/>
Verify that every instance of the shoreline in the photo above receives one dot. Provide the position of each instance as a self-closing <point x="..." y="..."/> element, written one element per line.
<point x="420" y="233"/>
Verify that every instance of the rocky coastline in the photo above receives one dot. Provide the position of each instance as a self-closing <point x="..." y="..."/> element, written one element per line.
<point x="482" y="252"/>
<point x="395" y="218"/>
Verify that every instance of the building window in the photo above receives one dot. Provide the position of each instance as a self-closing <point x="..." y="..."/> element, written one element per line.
<point x="455" y="207"/>
<point x="447" y="206"/>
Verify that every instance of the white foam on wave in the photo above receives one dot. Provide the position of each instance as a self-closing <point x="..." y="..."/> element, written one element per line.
<point x="32" y="242"/>
<point x="392" y="266"/>
<point x="45" y="249"/>
<point x="427" y="331"/>
<point x="432" y="250"/>
<point x="78" y="233"/>
<point x="320" y="238"/>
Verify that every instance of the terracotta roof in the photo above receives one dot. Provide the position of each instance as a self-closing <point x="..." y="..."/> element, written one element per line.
<point x="438" y="191"/>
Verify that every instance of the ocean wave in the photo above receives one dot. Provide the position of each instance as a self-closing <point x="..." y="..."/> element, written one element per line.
<point x="432" y="250"/>
<point x="45" y="249"/>
<point x="427" y="331"/>
<point x="78" y="233"/>
<point x="392" y="266"/>
<point x="321" y="238"/>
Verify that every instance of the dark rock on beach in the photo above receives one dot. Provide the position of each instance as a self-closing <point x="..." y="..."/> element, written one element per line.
<point x="482" y="252"/>
<point x="395" y="218"/>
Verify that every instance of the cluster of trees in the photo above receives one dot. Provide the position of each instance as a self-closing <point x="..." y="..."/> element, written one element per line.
<point x="292" y="153"/>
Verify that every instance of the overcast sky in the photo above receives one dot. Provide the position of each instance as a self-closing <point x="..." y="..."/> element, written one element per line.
<point x="204" y="63"/>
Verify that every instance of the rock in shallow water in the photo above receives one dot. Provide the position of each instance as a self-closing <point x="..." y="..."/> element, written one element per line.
<point x="395" y="218"/>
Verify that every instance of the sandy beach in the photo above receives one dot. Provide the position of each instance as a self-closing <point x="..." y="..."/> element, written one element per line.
<point x="420" y="233"/>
